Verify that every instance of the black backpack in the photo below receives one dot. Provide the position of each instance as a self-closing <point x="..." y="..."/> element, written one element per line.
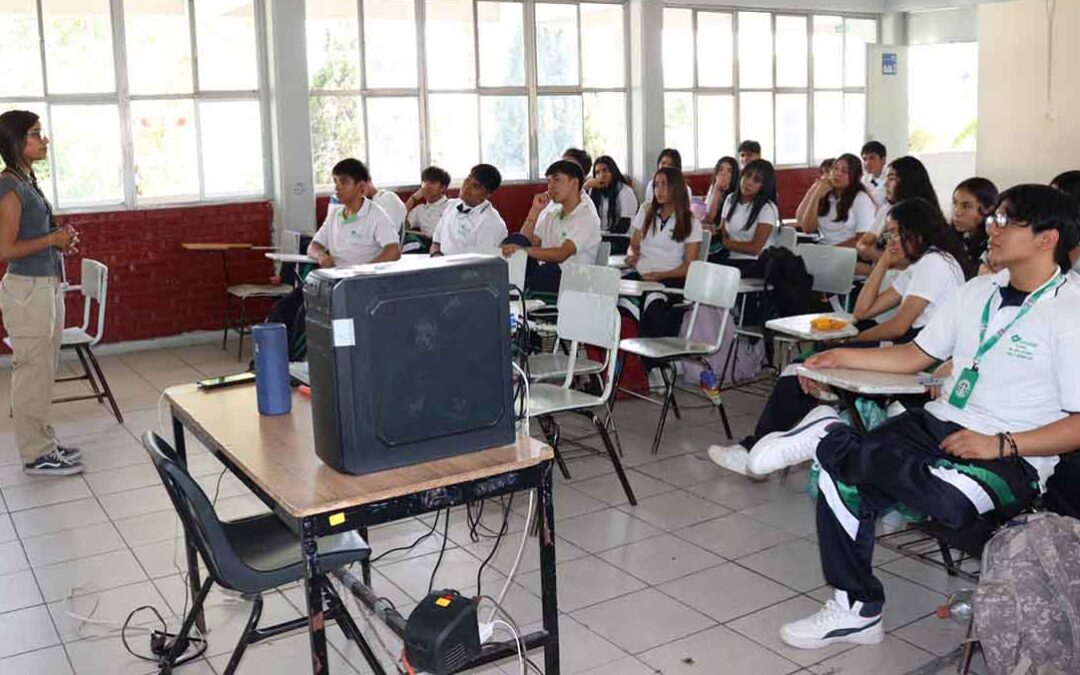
<point x="788" y="286"/>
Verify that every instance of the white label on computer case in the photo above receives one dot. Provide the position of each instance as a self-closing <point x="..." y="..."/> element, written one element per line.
<point x="344" y="333"/>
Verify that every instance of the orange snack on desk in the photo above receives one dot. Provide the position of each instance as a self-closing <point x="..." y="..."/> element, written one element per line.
<point x="827" y="324"/>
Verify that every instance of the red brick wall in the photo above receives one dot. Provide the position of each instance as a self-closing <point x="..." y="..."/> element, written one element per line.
<point x="791" y="184"/>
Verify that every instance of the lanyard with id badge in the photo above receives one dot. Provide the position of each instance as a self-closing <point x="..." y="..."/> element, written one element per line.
<point x="969" y="377"/>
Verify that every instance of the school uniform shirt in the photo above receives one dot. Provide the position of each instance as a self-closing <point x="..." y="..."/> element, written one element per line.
<point x="659" y="252"/>
<point x="464" y="229"/>
<point x="581" y="226"/>
<point x="649" y="192"/>
<point x="875" y="185"/>
<point x="392" y="204"/>
<point x="554" y="206"/>
<point x="625" y="201"/>
<point x="879" y="219"/>
<point x="1029" y="379"/>
<point x="425" y="216"/>
<point x="735" y="215"/>
<point x="860" y="219"/>
<point x="933" y="277"/>
<point x="359" y="238"/>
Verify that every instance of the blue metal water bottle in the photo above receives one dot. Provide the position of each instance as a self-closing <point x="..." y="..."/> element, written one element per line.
<point x="272" y="368"/>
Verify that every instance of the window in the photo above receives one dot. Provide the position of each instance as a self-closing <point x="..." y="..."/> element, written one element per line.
<point x="794" y="82"/>
<point x="406" y="83"/>
<point x="943" y="97"/>
<point x="139" y="123"/>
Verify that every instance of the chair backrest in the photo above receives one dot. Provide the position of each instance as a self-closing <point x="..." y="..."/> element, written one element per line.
<point x="587" y="311"/>
<point x="603" y="253"/>
<point x="703" y="248"/>
<point x="787" y="238"/>
<point x="714" y="286"/>
<point x="94" y="287"/>
<point x="517" y="264"/>
<point x="833" y="267"/>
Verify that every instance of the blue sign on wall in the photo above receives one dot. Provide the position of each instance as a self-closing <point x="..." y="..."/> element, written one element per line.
<point x="888" y="63"/>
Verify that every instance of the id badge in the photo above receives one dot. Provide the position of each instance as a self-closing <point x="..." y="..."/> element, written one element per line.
<point x="965" y="385"/>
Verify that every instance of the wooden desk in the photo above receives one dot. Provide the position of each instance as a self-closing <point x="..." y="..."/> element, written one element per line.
<point x="202" y="246"/>
<point x="275" y="457"/>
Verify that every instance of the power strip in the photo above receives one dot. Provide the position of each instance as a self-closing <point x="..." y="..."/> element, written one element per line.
<point x="161" y="643"/>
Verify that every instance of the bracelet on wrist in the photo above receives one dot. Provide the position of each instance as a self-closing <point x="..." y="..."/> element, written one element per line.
<point x="1001" y="446"/>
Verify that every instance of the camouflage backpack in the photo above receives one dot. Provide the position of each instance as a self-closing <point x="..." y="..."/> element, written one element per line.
<point x="1027" y="606"/>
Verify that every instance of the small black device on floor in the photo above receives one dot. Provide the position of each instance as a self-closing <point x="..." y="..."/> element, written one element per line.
<point x="442" y="634"/>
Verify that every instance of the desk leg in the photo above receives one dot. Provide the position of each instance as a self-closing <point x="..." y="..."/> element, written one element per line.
<point x="548" y="595"/>
<point x="313" y="582"/>
<point x="365" y="564"/>
<point x="179" y="442"/>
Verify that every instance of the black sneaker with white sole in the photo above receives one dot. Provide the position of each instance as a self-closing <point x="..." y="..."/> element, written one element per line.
<point x="74" y="454"/>
<point x="53" y="464"/>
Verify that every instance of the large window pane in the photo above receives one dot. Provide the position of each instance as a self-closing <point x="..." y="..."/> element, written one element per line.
<point x="88" y="165"/>
<point x="225" y="35"/>
<point x="502" y="44"/>
<point x="333" y="45"/>
<point x="158" y="40"/>
<point x="605" y="125"/>
<point x="337" y="132"/>
<point x="556" y="45"/>
<point x="828" y="51"/>
<point x="20" y="50"/>
<point x="791" y="48"/>
<point x="716" y="128"/>
<point x="448" y="31"/>
<point x="679" y="125"/>
<point x="394" y="140"/>
<point x="855" y="120"/>
<point x="756" y="120"/>
<point x="455" y="131"/>
<point x="164" y="143"/>
<point x="755" y="50"/>
<point x="943" y="96"/>
<point x="678" y="48"/>
<point x="43" y="169"/>
<point x="829" y="138"/>
<point x="232" y="147"/>
<point x="715" y="49"/>
<point x="504" y="124"/>
<point x="859" y="33"/>
<point x="78" y="46"/>
<point x="558" y="127"/>
<point x="791" y="129"/>
<point x="603" y="60"/>
<point x="390" y="44"/>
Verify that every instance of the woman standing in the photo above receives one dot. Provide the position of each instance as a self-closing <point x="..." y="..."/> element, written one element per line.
<point x="31" y="299"/>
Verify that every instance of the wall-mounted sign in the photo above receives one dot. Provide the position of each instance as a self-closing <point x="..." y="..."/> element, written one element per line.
<point x="888" y="63"/>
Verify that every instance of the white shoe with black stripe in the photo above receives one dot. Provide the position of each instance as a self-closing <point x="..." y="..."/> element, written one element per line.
<point x="53" y="464"/>
<point x="787" y="448"/>
<point x="840" y="620"/>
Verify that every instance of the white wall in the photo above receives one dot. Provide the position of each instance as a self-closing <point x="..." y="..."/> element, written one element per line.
<point x="1023" y="137"/>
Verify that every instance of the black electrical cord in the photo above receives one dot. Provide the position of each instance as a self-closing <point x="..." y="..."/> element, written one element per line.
<point x="410" y="546"/>
<point x="442" y="550"/>
<point x="498" y="540"/>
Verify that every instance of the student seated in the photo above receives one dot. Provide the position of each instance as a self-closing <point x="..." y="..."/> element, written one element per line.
<point x="424" y="208"/>
<point x="873" y="160"/>
<point x="916" y="233"/>
<point x="390" y="202"/>
<point x="838" y="206"/>
<point x="611" y="194"/>
<point x="748" y="151"/>
<point x="972" y="201"/>
<point x="1069" y="183"/>
<point x="667" y="157"/>
<point x="725" y="182"/>
<point x="989" y="442"/>
<point x="582" y="159"/>
<point x="665" y="238"/>
<point x="750" y="219"/>
<point x="906" y="178"/>
<point x="566" y="234"/>
<point x="471" y="223"/>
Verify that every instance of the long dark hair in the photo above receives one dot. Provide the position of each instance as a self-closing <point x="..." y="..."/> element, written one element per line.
<point x="923" y="228"/>
<point x="673" y="154"/>
<point x="676" y="186"/>
<point x="912" y="181"/>
<point x="611" y="192"/>
<point x="733" y="186"/>
<point x="14" y="125"/>
<point x="1069" y="183"/>
<point x="986" y="193"/>
<point x="763" y="169"/>
<point x="847" y="197"/>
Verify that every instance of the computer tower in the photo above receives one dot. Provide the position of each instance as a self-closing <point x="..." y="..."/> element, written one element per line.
<point x="409" y="361"/>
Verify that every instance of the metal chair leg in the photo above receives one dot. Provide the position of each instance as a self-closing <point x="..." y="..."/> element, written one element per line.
<point x="669" y="383"/>
<point x="241" y="325"/>
<point x="600" y="426"/>
<point x="225" y="331"/>
<point x="245" y="636"/>
<point x="104" y="384"/>
<point x="86" y="371"/>
<point x="182" y="637"/>
<point x="336" y="610"/>
<point x="669" y="396"/>
<point x="609" y="423"/>
<point x="724" y="419"/>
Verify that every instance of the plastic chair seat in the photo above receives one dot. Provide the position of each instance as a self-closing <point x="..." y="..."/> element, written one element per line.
<point x="75" y="336"/>
<point x="661" y="348"/>
<point x="549" y="366"/>
<point x="244" y="291"/>
<point x="547" y="399"/>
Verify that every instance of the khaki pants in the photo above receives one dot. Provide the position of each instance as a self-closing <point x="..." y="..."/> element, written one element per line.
<point x="33" y="310"/>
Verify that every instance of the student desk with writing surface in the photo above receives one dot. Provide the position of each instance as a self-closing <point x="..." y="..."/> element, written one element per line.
<point x="275" y="457"/>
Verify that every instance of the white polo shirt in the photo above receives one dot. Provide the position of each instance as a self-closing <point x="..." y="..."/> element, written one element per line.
<point x="625" y="202"/>
<point x="358" y="239"/>
<point x="581" y="226"/>
<point x="735" y="214"/>
<point x="461" y="229"/>
<point x="425" y="216"/>
<point x="659" y="251"/>
<point x="876" y="187"/>
<point x="1030" y="378"/>
<point x="392" y="204"/>
<point x="860" y="219"/>
<point x="933" y="277"/>
<point x="879" y="219"/>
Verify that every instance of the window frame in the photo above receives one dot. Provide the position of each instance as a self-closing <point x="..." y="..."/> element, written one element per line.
<point x="734" y="90"/>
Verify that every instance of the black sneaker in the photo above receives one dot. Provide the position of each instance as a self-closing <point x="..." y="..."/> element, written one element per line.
<point x="74" y="454"/>
<point x="53" y="464"/>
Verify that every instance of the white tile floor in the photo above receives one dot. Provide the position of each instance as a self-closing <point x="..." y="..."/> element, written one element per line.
<point x="695" y="579"/>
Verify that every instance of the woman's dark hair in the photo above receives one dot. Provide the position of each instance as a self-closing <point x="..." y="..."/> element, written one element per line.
<point x="583" y="158"/>
<point x="1069" y="183"/>
<point x="826" y="165"/>
<point x="676" y="187"/>
<point x="611" y="192"/>
<point x="1045" y="208"/>
<point x="14" y="125"/>
<point x="763" y="169"/>
<point x="913" y="182"/>
<point x="733" y="186"/>
<point x="986" y="194"/>
<point x="674" y="155"/>
<point x="847" y="197"/>
<point x="922" y="228"/>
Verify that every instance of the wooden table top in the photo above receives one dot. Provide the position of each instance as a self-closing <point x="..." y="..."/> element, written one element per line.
<point x="203" y="246"/>
<point x="278" y="453"/>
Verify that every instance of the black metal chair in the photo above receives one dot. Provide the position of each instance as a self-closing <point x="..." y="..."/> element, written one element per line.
<point x="250" y="555"/>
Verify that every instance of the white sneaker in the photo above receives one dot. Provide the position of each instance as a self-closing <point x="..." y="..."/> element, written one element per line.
<point x="788" y="448"/>
<point x="732" y="458"/>
<point x="838" y="621"/>
<point x="895" y="409"/>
